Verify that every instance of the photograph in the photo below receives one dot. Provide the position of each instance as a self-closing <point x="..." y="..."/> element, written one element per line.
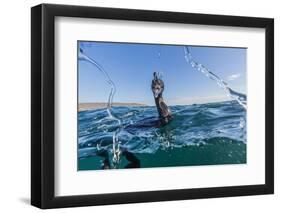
<point x="139" y="105"/>
<point x="160" y="105"/>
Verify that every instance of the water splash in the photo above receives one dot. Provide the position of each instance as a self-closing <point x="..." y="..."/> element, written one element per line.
<point x="159" y="54"/>
<point x="159" y="69"/>
<point x="239" y="97"/>
<point x="115" y="140"/>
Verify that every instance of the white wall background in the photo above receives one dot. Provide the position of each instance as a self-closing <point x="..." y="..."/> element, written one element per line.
<point x="15" y="106"/>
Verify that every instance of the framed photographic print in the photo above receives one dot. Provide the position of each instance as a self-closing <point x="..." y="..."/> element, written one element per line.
<point x="139" y="106"/>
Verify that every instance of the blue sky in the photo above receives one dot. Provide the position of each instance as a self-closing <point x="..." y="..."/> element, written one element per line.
<point x="131" y="68"/>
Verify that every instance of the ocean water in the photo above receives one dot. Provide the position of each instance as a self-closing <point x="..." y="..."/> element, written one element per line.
<point x="199" y="134"/>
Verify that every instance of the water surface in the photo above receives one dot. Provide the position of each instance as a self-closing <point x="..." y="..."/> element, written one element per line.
<point x="202" y="134"/>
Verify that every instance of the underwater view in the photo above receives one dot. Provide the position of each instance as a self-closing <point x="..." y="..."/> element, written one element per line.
<point x="183" y="115"/>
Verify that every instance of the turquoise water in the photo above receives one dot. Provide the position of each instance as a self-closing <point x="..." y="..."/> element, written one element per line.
<point x="202" y="134"/>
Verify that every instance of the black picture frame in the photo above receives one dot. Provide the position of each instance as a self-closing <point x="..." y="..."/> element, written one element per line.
<point x="43" y="101"/>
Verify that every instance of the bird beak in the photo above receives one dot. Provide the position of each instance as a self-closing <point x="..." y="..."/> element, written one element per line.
<point x="156" y="93"/>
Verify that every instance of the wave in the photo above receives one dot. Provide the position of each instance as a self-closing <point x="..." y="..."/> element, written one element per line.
<point x="200" y="124"/>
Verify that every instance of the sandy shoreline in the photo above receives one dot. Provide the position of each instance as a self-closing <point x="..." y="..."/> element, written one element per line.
<point x="91" y="106"/>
